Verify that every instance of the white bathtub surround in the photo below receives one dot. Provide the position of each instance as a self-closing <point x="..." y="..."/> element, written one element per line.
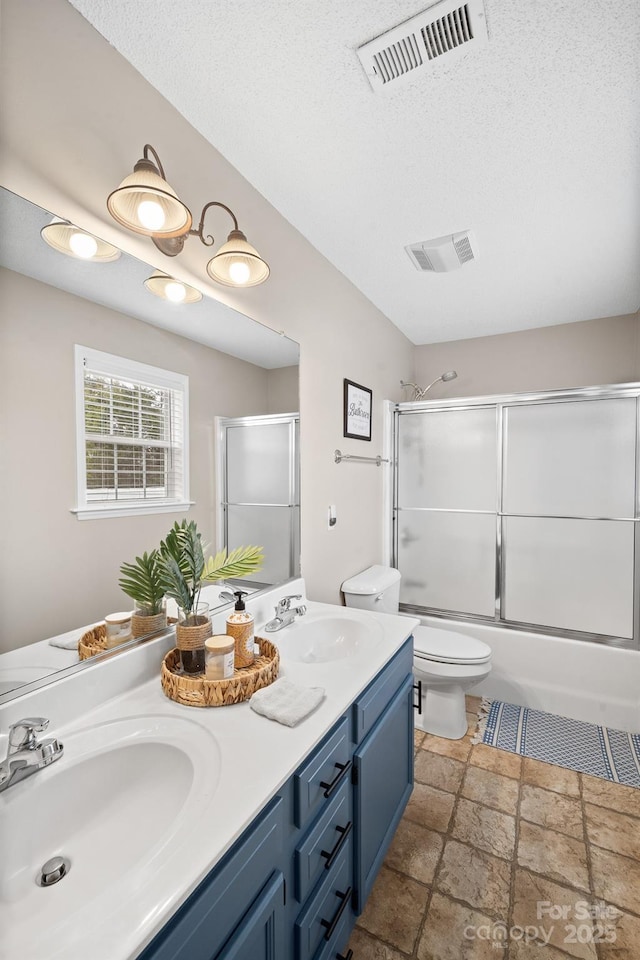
<point x="573" y="678"/>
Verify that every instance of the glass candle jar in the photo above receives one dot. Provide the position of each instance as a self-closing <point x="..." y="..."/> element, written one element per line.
<point x="218" y="657"/>
<point x="118" y="628"/>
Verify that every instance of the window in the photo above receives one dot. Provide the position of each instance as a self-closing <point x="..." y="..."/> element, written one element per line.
<point x="132" y="437"/>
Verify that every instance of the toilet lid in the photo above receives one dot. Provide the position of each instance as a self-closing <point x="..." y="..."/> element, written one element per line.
<point x="446" y="646"/>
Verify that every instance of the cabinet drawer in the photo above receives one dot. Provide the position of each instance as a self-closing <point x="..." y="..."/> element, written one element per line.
<point x="317" y="781"/>
<point x="370" y="704"/>
<point x="201" y="926"/>
<point x="320" y="848"/>
<point x="322" y="922"/>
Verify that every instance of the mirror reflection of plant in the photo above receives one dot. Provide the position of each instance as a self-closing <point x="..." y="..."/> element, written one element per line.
<point x="184" y="568"/>
<point x="143" y="582"/>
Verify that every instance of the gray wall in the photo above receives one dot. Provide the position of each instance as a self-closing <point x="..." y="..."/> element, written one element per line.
<point x="568" y="355"/>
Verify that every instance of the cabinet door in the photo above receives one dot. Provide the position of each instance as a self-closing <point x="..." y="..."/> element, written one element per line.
<point x="384" y="779"/>
<point x="260" y="936"/>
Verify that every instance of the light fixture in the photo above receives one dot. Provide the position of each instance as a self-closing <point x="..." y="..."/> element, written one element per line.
<point x="145" y="203"/>
<point x="419" y="393"/>
<point x="74" y="242"/>
<point x="162" y="285"/>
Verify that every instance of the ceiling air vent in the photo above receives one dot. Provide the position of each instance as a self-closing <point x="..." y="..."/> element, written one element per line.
<point x="443" y="253"/>
<point x="442" y="32"/>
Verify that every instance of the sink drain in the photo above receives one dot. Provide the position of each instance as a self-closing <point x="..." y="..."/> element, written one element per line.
<point x="53" y="871"/>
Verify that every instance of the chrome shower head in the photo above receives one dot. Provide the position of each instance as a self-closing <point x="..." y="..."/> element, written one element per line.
<point x="449" y="375"/>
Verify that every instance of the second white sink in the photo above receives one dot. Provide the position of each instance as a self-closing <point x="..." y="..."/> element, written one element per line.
<point x="320" y="639"/>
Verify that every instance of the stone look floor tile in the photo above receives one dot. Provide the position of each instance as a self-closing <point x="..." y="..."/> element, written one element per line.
<point x="366" y="947"/>
<point x="455" y="932"/>
<point x="522" y="949"/>
<point x="615" y="831"/>
<point x="430" y="807"/>
<point x="620" y="938"/>
<point x="472" y="704"/>
<point x="457" y="749"/>
<point x="551" y="777"/>
<point x="418" y="737"/>
<point x="499" y="761"/>
<point x="531" y="893"/>
<point x="441" y="772"/>
<point x="395" y="909"/>
<point x="557" y="856"/>
<point x="415" y="850"/>
<point x="613" y="795"/>
<point x="479" y="879"/>
<point x="616" y="879"/>
<point x="551" y="810"/>
<point x="487" y="829"/>
<point x="492" y="789"/>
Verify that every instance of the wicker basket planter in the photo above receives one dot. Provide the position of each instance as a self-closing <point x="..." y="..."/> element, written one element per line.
<point x="200" y="692"/>
<point x="92" y="642"/>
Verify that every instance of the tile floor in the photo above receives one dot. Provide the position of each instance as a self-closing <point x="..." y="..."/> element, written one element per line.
<point x="499" y="856"/>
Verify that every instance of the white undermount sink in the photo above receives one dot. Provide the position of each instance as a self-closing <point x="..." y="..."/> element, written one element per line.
<point x="321" y="639"/>
<point x="117" y="805"/>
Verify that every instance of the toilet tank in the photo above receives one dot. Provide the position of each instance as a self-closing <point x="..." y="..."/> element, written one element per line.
<point x="377" y="588"/>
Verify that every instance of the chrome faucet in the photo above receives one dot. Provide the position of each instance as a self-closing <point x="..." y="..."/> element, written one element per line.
<point x="285" y="613"/>
<point x="25" y="753"/>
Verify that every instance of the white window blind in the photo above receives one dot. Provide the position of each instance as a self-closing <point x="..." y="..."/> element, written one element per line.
<point x="132" y="427"/>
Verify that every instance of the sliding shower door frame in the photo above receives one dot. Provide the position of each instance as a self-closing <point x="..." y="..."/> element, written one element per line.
<point x="293" y="504"/>
<point x="501" y="403"/>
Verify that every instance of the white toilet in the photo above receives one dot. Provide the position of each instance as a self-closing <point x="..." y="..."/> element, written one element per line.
<point x="445" y="664"/>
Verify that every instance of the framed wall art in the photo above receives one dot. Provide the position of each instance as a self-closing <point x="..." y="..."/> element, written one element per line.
<point x="358" y="405"/>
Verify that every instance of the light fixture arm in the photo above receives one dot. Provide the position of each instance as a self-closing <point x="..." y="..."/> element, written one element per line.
<point x="145" y="153"/>
<point x="208" y="241"/>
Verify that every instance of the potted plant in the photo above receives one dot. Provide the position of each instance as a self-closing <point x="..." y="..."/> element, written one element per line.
<point x="142" y="581"/>
<point x="183" y="570"/>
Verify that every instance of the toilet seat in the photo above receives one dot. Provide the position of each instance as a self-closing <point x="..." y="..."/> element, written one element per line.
<point x="445" y="646"/>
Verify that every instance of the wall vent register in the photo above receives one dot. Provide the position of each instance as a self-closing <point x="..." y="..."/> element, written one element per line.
<point x="443" y="32"/>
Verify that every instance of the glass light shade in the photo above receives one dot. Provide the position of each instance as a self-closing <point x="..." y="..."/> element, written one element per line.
<point x="76" y="243"/>
<point x="145" y="203"/>
<point x="237" y="263"/>
<point x="168" y="288"/>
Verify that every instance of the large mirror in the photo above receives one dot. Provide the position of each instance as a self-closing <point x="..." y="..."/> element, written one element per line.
<point x="59" y="571"/>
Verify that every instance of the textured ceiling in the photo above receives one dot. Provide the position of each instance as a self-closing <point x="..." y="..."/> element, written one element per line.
<point x="533" y="142"/>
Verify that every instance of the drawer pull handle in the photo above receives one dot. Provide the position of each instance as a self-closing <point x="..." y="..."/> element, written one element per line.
<point x="331" y="855"/>
<point x="330" y="787"/>
<point x="332" y="924"/>
<point x="348" y="956"/>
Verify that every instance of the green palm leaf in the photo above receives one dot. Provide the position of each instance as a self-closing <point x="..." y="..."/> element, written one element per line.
<point x="239" y="563"/>
<point x="142" y="582"/>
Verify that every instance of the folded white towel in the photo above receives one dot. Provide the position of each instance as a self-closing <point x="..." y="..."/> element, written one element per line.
<point x="286" y="702"/>
<point x="69" y="641"/>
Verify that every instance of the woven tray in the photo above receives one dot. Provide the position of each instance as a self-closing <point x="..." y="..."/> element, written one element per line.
<point x="200" y="692"/>
<point x="95" y="640"/>
<point x="92" y="642"/>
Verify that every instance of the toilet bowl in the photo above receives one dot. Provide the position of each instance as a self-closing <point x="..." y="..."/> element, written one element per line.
<point x="445" y="663"/>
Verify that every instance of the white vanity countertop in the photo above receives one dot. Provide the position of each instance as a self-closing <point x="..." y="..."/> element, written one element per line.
<point x="256" y="757"/>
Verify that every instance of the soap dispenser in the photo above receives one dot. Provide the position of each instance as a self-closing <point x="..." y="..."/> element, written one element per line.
<point x="240" y="626"/>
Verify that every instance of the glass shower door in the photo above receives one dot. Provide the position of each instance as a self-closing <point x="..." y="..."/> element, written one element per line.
<point x="260" y="490"/>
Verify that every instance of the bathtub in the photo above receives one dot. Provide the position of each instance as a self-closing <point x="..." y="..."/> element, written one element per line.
<point x="574" y="678"/>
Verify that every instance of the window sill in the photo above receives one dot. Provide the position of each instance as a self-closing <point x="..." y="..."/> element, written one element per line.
<point x="101" y="512"/>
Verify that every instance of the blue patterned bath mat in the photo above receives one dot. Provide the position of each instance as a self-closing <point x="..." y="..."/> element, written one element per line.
<point x="599" y="751"/>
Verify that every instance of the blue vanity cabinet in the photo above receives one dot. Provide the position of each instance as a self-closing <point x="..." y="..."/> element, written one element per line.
<point x="292" y="884"/>
<point x="382" y="767"/>
<point x="237" y="912"/>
